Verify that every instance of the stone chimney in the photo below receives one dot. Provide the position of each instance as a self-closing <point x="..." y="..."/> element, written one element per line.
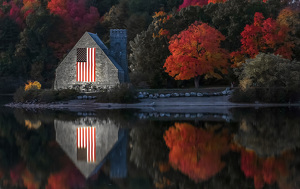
<point x="118" y="47"/>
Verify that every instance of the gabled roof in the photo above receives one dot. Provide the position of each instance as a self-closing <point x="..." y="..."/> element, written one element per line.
<point x="98" y="41"/>
<point x="105" y="49"/>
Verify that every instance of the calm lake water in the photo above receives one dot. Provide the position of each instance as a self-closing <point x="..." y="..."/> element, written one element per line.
<point x="237" y="148"/>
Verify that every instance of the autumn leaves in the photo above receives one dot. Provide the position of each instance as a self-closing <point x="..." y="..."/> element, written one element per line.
<point x="197" y="50"/>
<point x="198" y="153"/>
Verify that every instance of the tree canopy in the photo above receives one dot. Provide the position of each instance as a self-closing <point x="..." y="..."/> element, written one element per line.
<point x="195" y="52"/>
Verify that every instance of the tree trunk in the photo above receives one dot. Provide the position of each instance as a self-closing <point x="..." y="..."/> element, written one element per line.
<point x="197" y="81"/>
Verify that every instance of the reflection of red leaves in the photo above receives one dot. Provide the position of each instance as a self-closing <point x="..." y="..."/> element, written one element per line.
<point x="195" y="151"/>
<point x="15" y="173"/>
<point x="262" y="170"/>
<point x="68" y="177"/>
<point x="20" y="174"/>
<point x="29" y="180"/>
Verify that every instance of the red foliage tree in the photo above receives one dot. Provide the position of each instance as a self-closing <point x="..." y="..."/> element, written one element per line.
<point x="264" y="35"/>
<point x="187" y="3"/>
<point x="196" y="51"/>
<point x="76" y="19"/>
<point x="200" y="3"/>
<point x="196" y="152"/>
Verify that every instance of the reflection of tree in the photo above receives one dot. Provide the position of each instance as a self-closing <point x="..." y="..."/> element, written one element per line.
<point x="268" y="131"/>
<point x="68" y="177"/>
<point x="196" y="151"/>
<point x="267" y="170"/>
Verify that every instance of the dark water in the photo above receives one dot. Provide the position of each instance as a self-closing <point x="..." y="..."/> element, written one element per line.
<point x="238" y="148"/>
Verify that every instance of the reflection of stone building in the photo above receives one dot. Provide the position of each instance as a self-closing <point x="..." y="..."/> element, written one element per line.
<point x="111" y="145"/>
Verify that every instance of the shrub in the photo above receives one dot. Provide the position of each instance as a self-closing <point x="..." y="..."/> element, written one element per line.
<point x="66" y="94"/>
<point x="18" y="95"/>
<point x="267" y="95"/>
<point x="47" y="96"/>
<point x="246" y="96"/>
<point x="22" y="96"/>
<point x="122" y="93"/>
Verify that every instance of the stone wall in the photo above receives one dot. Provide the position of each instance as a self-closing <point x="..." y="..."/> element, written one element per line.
<point x="107" y="75"/>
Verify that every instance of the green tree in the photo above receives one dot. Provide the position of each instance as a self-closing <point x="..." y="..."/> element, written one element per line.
<point x="269" y="70"/>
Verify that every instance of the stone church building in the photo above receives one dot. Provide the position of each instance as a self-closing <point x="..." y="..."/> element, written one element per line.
<point x="90" y="65"/>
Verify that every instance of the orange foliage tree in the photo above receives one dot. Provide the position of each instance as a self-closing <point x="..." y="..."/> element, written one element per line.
<point x="196" y="152"/>
<point x="264" y="35"/>
<point x="195" y="52"/>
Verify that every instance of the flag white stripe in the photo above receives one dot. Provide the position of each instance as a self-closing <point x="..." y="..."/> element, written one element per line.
<point x="92" y="65"/>
<point x="81" y="137"/>
<point x="90" y="71"/>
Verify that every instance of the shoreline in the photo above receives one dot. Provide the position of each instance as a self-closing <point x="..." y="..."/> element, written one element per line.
<point x="160" y="104"/>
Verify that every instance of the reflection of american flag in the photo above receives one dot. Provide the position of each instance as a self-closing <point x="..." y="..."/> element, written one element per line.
<point x="86" y="144"/>
<point x="86" y="64"/>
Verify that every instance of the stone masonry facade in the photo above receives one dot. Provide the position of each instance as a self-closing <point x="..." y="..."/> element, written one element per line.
<point x="108" y="72"/>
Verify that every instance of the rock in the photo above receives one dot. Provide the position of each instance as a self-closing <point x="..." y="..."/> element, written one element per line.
<point x="161" y="96"/>
<point x="84" y="97"/>
<point x="199" y="94"/>
<point x="140" y="96"/>
<point x="193" y="94"/>
<point x="167" y="95"/>
<point x="175" y="95"/>
<point x="199" y="115"/>
<point x="187" y="94"/>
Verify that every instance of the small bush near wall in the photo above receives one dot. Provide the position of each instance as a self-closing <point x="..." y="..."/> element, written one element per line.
<point x="122" y="93"/>
<point x="43" y="95"/>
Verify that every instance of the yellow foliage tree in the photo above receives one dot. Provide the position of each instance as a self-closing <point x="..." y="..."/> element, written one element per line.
<point x="32" y="85"/>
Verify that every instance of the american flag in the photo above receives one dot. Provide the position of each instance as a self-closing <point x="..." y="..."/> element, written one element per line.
<point x="86" y="64"/>
<point x="86" y="144"/>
